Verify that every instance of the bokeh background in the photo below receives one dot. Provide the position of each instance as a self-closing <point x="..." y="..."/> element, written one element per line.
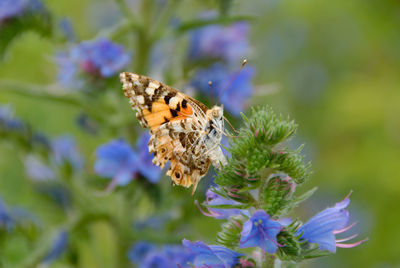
<point x="333" y="66"/>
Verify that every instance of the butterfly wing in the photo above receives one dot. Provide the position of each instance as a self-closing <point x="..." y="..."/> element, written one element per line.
<point x="176" y="124"/>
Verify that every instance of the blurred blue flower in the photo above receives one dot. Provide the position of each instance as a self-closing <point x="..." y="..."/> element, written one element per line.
<point x="321" y="228"/>
<point x="147" y="255"/>
<point x="6" y="221"/>
<point x="37" y="170"/>
<point x="12" y="217"/>
<point x="140" y="250"/>
<point x="211" y="256"/>
<point x="116" y="160"/>
<point x="145" y="164"/>
<point x="96" y="58"/>
<point x="260" y="231"/>
<point x="87" y="123"/>
<point x="65" y="26"/>
<point x="65" y="151"/>
<point x="235" y="96"/>
<point x="8" y="122"/>
<point x="229" y="43"/>
<point x="14" y="8"/>
<point x="59" y="245"/>
<point x="215" y="199"/>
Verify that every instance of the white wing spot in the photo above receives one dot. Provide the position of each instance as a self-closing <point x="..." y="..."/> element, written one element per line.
<point x="140" y="99"/>
<point x="154" y="84"/>
<point x="150" y="91"/>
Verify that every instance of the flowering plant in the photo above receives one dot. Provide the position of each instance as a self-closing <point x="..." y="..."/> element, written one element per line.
<point x="100" y="184"/>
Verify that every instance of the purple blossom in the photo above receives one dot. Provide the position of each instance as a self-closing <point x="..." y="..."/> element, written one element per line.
<point x="235" y="95"/>
<point x="145" y="164"/>
<point x="16" y="8"/>
<point x="59" y="245"/>
<point x="322" y="228"/>
<point x="260" y="231"/>
<point x="94" y="58"/>
<point x="229" y="43"/>
<point x="211" y="256"/>
<point x="218" y="213"/>
<point x="116" y="160"/>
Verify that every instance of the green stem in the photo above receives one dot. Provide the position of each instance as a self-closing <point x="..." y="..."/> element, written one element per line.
<point x="269" y="261"/>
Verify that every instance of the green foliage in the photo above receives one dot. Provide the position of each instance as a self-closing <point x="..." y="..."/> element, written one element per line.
<point x="9" y="30"/>
<point x="258" y="151"/>
<point x="229" y="236"/>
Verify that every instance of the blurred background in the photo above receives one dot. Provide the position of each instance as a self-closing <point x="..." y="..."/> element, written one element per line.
<point x="332" y="66"/>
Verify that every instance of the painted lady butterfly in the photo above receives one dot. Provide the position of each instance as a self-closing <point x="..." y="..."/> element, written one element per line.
<point x="183" y="130"/>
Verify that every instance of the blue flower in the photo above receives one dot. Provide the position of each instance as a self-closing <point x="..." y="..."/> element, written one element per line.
<point x="6" y="221"/>
<point x="321" y="228"/>
<point x="260" y="231"/>
<point x="147" y="255"/>
<point x="15" y="8"/>
<point x="95" y="58"/>
<point x="229" y="43"/>
<point x="37" y="170"/>
<point x="8" y="122"/>
<point x="211" y="256"/>
<point x="65" y="151"/>
<point x="218" y="213"/>
<point x="140" y="250"/>
<point x="9" y="218"/>
<point x="59" y="245"/>
<point x="116" y="160"/>
<point x="145" y="164"/>
<point x="235" y="96"/>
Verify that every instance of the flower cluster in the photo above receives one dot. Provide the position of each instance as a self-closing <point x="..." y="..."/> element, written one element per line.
<point x="16" y="8"/>
<point x="99" y="58"/>
<point x="224" y="47"/>
<point x="146" y="255"/>
<point x="120" y="162"/>
<point x="63" y="152"/>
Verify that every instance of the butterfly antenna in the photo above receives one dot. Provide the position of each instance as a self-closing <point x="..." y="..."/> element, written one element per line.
<point x="211" y="91"/>
<point x="231" y="81"/>
<point x="229" y="123"/>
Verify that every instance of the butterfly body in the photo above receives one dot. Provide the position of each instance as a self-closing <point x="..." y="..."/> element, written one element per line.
<point x="183" y="131"/>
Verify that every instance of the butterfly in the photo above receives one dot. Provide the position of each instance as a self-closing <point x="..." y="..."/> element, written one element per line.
<point x="183" y="131"/>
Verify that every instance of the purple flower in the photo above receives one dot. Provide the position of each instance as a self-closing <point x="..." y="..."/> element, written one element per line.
<point x="229" y="43"/>
<point x="116" y="160"/>
<point x="260" y="231"/>
<point x="235" y="95"/>
<point x="65" y="151"/>
<point x="59" y="245"/>
<point x="95" y="58"/>
<point x="211" y="256"/>
<point x="218" y="213"/>
<point x="145" y="164"/>
<point x="321" y="228"/>
<point x="15" y="8"/>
